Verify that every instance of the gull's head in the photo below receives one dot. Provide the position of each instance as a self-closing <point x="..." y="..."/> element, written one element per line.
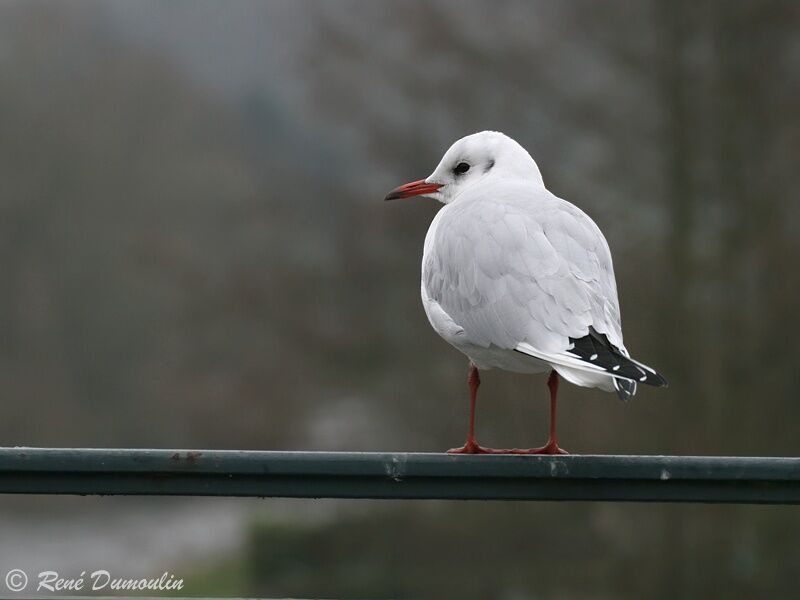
<point x="473" y="159"/>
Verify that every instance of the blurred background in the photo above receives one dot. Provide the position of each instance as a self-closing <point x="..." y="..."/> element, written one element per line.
<point x="195" y="253"/>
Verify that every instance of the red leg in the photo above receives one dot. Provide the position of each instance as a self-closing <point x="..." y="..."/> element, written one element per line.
<point x="472" y="447"/>
<point x="551" y="447"/>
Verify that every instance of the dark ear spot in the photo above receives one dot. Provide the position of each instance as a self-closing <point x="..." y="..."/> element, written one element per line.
<point x="489" y="165"/>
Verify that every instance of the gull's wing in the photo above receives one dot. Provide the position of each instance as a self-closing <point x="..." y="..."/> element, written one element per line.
<point x="520" y="269"/>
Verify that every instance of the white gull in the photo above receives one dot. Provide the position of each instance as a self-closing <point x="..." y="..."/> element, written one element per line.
<point x="519" y="279"/>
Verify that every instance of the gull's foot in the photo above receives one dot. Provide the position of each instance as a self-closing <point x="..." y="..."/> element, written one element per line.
<point x="549" y="448"/>
<point x="474" y="448"/>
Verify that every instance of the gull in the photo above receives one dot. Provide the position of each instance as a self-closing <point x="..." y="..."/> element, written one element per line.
<point x="518" y="279"/>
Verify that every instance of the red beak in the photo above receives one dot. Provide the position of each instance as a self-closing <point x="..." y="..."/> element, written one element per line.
<point x="415" y="188"/>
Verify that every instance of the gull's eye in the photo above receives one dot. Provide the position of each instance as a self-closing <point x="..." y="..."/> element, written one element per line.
<point x="461" y="167"/>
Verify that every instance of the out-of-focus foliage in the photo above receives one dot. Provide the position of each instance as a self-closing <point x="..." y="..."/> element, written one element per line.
<point x="477" y="551"/>
<point x="195" y="253"/>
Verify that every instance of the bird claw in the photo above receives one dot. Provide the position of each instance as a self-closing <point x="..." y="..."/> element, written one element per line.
<point x="549" y="448"/>
<point x="474" y="448"/>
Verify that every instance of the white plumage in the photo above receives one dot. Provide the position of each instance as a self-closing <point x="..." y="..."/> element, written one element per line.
<point x="515" y="277"/>
<point x="516" y="268"/>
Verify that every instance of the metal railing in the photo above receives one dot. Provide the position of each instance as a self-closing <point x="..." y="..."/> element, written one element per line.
<point x="399" y="475"/>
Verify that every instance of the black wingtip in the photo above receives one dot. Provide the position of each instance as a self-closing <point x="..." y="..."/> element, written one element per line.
<point x="659" y="380"/>
<point x="596" y="349"/>
<point x="652" y="378"/>
<point x="626" y="389"/>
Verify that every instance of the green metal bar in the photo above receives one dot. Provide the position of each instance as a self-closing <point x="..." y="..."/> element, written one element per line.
<point x="399" y="475"/>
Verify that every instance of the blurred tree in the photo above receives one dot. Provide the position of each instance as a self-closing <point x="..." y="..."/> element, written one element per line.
<point x="187" y="267"/>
